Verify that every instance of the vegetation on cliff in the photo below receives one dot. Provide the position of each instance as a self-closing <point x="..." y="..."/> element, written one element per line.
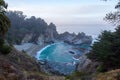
<point x="4" y="26"/>
<point x="4" y="21"/>
<point x="111" y="75"/>
<point x="20" y="66"/>
<point x="106" y="50"/>
<point x="21" y="25"/>
<point x="17" y="65"/>
<point x="36" y="30"/>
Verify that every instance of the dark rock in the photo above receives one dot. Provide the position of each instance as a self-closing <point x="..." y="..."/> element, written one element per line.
<point x="74" y="39"/>
<point x="71" y="52"/>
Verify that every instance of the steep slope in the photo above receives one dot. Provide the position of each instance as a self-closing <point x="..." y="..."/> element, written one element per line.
<point x="19" y="66"/>
<point x="111" y="75"/>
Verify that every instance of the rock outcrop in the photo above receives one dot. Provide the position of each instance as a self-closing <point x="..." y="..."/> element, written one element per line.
<point x="49" y="36"/>
<point x="35" y="34"/>
<point x="83" y="64"/>
<point x="50" y="33"/>
<point x="80" y="38"/>
<point x="37" y="31"/>
<point x="27" y="38"/>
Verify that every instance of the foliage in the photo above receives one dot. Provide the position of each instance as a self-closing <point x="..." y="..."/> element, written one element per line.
<point x="78" y="76"/>
<point x="21" y="25"/>
<point x="100" y="68"/>
<point x="114" y="17"/>
<point x="107" y="50"/>
<point x="4" y="48"/>
<point x="4" y="21"/>
<point x="110" y="75"/>
<point x="4" y="26"/>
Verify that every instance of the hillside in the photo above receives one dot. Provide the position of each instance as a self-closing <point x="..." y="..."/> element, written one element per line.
<point x="19" y="66"/>
<point x="111" y="75"/>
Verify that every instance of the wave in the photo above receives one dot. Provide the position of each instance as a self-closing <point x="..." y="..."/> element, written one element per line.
<point x="39" y="52"/>
<point x="75" y="59"/>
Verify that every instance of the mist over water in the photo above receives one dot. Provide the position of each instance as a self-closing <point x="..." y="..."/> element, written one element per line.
<point x="94" y="30"/>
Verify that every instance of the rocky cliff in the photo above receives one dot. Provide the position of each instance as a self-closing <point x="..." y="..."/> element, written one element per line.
<point x="76" y="39"/>
<point x="36" y="30"/>
<point x="49" y="36"/>
<point x="50" y="33"/>
<point x="32" y="34"/>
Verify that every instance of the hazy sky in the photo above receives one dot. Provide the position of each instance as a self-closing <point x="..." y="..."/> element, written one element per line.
<point x="68" y="15"/>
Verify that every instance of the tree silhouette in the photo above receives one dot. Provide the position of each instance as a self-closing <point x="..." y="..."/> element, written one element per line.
<point x="114" y="17"/>
<point x="4" y="21"/>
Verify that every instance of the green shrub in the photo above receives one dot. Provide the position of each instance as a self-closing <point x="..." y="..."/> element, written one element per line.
<point x="77" y="73"/>
<point x="2" y="42"/>
<point x="67" y="78"/>
<point x="5" y="49"/>
<point x="107" y="50"/>
<point x="78" y="76"/>
<point x="101" y="68"/>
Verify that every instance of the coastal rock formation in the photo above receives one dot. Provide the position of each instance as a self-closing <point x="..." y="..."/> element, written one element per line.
<point x="27" y="38"/>
<point x="50" y="33"/>
<point x="34" y="33"/>
<point x="84" y="62"/>
<point x="40" y="40"/>
<point x="66" y="36"/>
<point x="49" y="36"/>
<point x="82" y="38"/>
<point x="72" y="38"/>
<point x="36" y="30"/>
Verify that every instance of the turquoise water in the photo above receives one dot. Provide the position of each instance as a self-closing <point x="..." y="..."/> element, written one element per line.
<point x="58" y="52"/>
<point x="58" y="58"/>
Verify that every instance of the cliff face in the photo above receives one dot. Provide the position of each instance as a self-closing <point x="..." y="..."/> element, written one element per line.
<point x="50" y="33"/>
<point x="36" y="30"/>
<point x="27" y="38"/>
<point x="39" y="34"/>
<point x="32" y="43"/>
<point x="80" y="38"/>
<point x="49" y="36"/>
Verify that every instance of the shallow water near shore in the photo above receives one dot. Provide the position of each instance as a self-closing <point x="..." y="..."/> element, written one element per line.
<point x="59" y="57"/>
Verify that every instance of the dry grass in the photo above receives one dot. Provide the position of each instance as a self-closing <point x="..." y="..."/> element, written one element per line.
<point x="19" y="66"/>
<point x="111" y="75"/>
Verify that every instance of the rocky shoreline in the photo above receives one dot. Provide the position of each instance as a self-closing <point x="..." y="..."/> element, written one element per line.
<point x="31" y="44"/>
<point x="30" y="48"/>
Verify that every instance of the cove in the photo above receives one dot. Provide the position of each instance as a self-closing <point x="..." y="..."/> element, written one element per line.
<point x="58" y="58"/>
